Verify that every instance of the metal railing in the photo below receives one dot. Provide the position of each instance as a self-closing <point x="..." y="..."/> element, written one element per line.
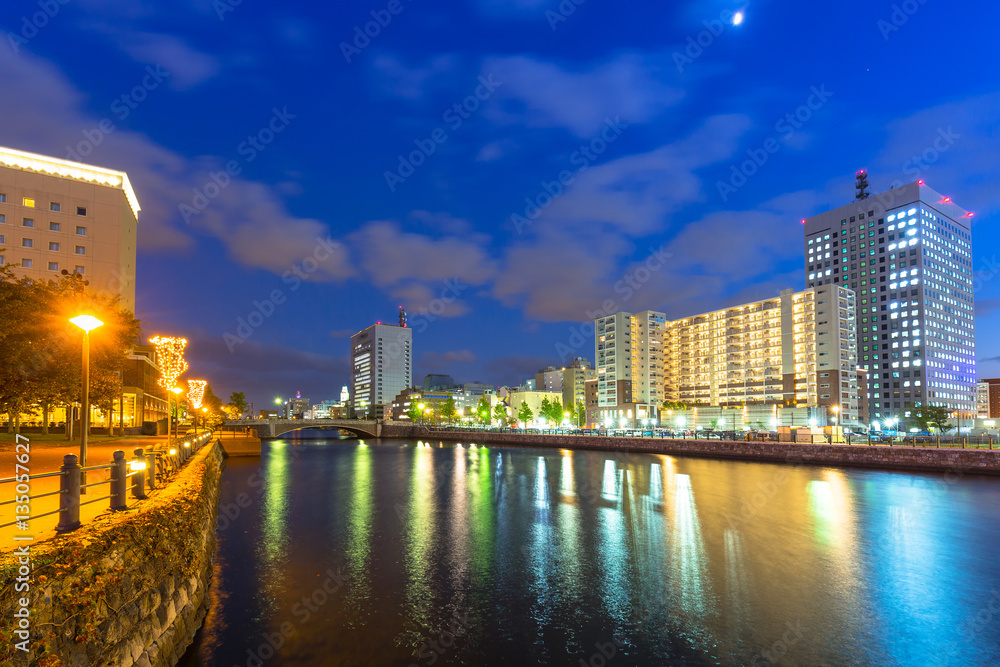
<point x="908" y="440"/>
<point x="153" y="468"/>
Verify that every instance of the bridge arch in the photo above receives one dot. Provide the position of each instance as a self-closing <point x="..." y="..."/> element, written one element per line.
<point x="268" y="429"/>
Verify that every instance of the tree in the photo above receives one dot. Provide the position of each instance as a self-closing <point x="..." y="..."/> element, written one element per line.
<point x="714" y="424"/>
<point x="580" y="414"/>
<point x="674" y="405"/>
<point x="448" y="411"/>
<point x="556" y="412"/>
<point x="500" y="413"/>
<point x="239" y="399"/>
<point x="413" y="413"/>
<point x="483" y="411"/>
<point x="211" y="401"/>
<point x="545" y="410"/>
<point x="525" y="414"/>
<point x="927" y="417"/>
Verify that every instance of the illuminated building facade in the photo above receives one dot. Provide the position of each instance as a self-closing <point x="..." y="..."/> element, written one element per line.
<point x="629" y="366"/>
<point x="57" y="215"/>
<point x="907" y="253"/>
<point x="794" y="350"/>
<point x="381" y="367"/>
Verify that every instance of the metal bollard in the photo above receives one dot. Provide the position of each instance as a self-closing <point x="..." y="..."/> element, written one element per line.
<point x="119" y="482"/>
<point x="69" y="496"/>
<point x="151" y="468"/>
<point x="187" y="450"/>
<point x="138" y="465"/>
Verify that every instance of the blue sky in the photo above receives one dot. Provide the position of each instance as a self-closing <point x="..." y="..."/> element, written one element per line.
<point x="643" y="109"/>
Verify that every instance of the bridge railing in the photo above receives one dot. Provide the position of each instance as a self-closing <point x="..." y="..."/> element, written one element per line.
<point x="154" y="467"/>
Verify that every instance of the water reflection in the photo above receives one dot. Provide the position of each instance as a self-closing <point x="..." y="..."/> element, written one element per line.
<point x="547" y="554"/>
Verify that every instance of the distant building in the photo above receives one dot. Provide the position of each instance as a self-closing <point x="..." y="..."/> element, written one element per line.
<point x="990" y="398"/>
<point x="57" y="215"/>
<point x="436" y="381"/>
<point x="567" y="380"/>
<point x="297" y="408"/>
<point x="864" y="413"/>
<point x="515" y="397"/>
<point x="549" y="379"/>
<point x="345" y="395"/>
<point x="629" y="367"/>
<point x="380" y="367"/>
<point x="144" y="399"/>
<point x="269" y="414"/>
<point x="430" y="401"/>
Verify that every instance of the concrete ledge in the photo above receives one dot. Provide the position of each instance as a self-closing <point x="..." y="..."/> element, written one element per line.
<point x="127" y="588"/>
<point x="923" y="459"/>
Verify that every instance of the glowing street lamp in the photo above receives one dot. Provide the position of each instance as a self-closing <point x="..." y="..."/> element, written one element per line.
<point x="88" y="323"/>
<point x="196" y="394"/>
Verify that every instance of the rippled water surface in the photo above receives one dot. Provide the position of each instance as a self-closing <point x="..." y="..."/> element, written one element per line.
<point x="342" y="552"/>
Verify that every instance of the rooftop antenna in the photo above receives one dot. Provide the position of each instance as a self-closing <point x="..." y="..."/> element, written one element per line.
<point x="861" y="185"/>
<point x="402" y="317"/>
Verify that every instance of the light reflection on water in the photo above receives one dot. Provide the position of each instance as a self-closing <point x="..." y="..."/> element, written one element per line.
<point x="484" y="556"/>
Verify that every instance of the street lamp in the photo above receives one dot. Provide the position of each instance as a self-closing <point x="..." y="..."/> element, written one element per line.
<point x="177" y="403"/>
<point x="836" y="415"/>
<point x="88" y="323"/>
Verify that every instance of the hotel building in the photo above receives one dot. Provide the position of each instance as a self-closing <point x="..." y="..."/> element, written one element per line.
<point x="907" y="254"/>
<point x="57" y="216"/>
<point x="795" y="350"/>
<point x="381" y="367"/>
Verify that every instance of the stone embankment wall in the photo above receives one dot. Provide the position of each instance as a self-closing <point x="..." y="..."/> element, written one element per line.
<point x="127" y="588"/>
<point x="929" y="459"/>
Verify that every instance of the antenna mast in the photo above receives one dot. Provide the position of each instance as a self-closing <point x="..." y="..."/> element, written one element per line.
<point x="861" y="185"/>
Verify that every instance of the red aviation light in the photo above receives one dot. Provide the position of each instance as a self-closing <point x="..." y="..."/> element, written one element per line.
<point x="968" y="215"/>
<point x="946" y="200"/>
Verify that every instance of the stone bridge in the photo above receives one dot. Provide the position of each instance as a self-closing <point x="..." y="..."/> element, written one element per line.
<point x="268" y="429"/>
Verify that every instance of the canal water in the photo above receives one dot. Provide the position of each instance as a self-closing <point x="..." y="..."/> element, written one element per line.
<point x="347" y="552"/>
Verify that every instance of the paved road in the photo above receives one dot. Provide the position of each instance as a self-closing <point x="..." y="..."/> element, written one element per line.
<point x="48" y="457"/>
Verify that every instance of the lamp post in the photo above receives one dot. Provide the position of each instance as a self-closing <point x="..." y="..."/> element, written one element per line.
<point x="177" y="404"/>
<point x="88" y="323"/>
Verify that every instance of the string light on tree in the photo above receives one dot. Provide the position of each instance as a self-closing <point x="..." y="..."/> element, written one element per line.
<point x="196" y="392"/>
<point x="170" y="356"/>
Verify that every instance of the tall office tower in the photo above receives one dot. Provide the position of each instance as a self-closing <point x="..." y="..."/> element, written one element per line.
<point x="629" y="368"/>
<point x="381" y="367"/>
<point x="575" y="377"/>
<point x="794" y="350"/>
<point x="57" y="216"/>
<point x="907" y="253"/>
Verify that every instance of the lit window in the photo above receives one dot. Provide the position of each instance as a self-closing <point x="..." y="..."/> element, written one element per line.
<point x="29" y="202"/>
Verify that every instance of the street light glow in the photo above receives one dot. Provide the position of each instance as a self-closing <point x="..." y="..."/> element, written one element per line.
<point x="86" y="322"/>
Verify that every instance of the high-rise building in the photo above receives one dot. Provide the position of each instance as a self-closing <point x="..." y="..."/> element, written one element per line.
<point x="907" y="254"/>
<point x="794" y="350"/>
<point x="57" y="216"/>
<point x="381" y="367"/>
<point x="575" y="377"/>
<point x="629" y="368"/>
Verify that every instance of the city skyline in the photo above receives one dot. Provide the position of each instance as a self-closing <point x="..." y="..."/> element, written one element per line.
<point x="650" y="224"/>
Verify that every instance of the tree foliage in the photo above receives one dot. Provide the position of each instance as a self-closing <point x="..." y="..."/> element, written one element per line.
<point x="483" y="411"/>
<point x="41" y="350"/>
<point x="674" y="405"/>
<point x="500" y="414"/>
<point x="525" y="414"/>
<point x="448" y="411"/>
<point x="928" y="417"/>
<point x="239" y="399"/>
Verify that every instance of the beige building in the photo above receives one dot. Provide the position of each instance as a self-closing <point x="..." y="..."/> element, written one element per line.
<point x="569" y="380"/>
<point x="57" y="215"/>
<point x="518" y="395"/>
<point x="795" y="350"/>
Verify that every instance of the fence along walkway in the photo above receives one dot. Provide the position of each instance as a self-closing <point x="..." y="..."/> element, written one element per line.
<point x="146" y="470"/>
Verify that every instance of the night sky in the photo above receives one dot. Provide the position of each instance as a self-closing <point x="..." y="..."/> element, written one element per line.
<point x="641" y="108"/>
